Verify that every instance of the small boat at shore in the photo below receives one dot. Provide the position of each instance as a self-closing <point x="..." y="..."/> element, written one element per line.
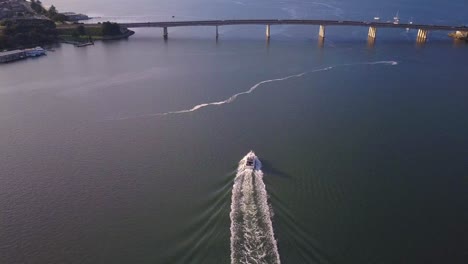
<point x="35" y="52"/>
<point x="84" y="44"/>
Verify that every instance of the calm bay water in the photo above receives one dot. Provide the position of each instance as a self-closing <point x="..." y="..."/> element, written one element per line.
<point x="365" y="162"/>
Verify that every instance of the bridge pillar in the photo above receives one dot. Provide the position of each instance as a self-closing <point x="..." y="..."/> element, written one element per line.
<point x="268" y="31"/>
<point x="321" y="42"/>
<point x="370" y="42"/>
<point x="422" y="36"/>
<point x="372" y="32"/>
<point x="217" y="32"/>
<point x="322" y="31"/>
<point x="165" y="33"/>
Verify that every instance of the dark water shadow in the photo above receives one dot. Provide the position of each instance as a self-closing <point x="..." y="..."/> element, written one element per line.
<point x="270" y="170"/>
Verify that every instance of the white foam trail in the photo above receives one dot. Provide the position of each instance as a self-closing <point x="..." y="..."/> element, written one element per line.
<point x="252" y="237"/>
<point x="253" y="88"/>
<point x="234" y="97"/>
<point x="239" y="3"/>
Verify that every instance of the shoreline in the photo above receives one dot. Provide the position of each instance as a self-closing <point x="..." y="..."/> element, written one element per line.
<point x="70" y="40"/>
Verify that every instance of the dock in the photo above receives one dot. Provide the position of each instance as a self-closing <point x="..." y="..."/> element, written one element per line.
<point x="13" y="55"/>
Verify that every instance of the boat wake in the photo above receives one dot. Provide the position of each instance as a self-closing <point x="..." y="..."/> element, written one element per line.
<point x="252" y="237"/>
<point x="257" y="85"/>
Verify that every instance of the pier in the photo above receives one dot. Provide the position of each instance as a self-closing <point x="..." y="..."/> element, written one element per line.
<point x="9" y="56"/>
<point x="423" y="29"/>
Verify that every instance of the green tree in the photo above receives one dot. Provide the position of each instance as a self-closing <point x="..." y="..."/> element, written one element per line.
<point x="52" y="11"/>
<point x="3" y="42"/>
<point x="81" y="30"/>
<point x="110" y="29"/>
<point x="75" y="34"/>
<point x="37" y="6"/>
<point x="59" y="17"/>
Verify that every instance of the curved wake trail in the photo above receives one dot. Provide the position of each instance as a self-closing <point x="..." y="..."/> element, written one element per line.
<point x="252" y="237"/>
<point x="253" y="88"/>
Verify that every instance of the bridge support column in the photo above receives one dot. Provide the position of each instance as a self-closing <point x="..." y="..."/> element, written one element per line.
<point x="217" y="32"/>
<point x="322" y="31"/>
<point x="268" y="31"/>
<point x="370" y="42"/>
<point x="422" y="36"/>
<point x="321" y="42"/>
<point x="372" y="32"/>
<point x="165" y="33"/>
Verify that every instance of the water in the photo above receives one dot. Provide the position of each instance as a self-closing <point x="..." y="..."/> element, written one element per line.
<point x="126" y="152"/>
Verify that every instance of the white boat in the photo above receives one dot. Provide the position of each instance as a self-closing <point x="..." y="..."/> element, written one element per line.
<point x="36" y="52"/>
<point x="84" y="44"/>
<point x="251" y="161"/>
<point x="411" y="23"/>
<point x="396" y="18"/>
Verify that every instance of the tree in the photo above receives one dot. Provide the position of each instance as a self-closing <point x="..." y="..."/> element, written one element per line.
<point x="3" y="42"/>
<point x="10" y="28"/>
<point x="110" y="29"/>
<point x="17" y="35"/>
<point x="81" y="30"/>
<point x="59" y="17"/>
<point x="37" y="6"/>
<point x="75" y="34"/>
<point x="53" y="11"/>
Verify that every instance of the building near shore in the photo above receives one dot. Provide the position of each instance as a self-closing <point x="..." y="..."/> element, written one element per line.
<point x="35" y="52"/>
<point x="5" y="13"/>
<point x="12" y="8"/>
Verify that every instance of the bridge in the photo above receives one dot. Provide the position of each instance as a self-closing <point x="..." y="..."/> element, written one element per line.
<point x="423" y="29"/>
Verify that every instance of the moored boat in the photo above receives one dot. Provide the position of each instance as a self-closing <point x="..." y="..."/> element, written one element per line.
<point x="35" y="52"/>
<point x="396" y="18"/>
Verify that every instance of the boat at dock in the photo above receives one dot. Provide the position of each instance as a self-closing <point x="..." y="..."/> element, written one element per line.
<point x="84" y="44"/>
<point x="396" y="18"/>
<point x="35" y="52"/>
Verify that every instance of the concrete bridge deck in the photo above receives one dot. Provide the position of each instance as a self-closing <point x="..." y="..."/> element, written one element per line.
<point x="291" y="22"/>
<point x="423" y="29"/>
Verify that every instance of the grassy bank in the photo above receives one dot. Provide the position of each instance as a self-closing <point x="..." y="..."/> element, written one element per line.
<point x="70" y="31"/>
<point x="83" y="33"/>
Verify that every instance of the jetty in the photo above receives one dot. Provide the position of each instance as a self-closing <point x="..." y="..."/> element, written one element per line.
<point x="14" y="55"/>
